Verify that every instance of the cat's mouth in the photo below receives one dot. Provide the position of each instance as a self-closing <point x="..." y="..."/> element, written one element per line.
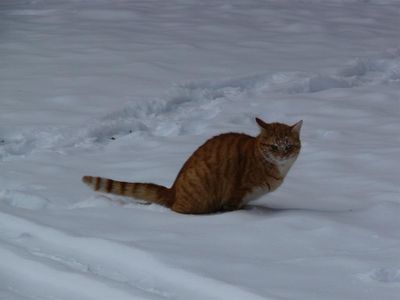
<point x="280" y="161"/>
<point x="277" y="160"/>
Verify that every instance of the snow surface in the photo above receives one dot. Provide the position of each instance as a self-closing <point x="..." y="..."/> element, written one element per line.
<point x="128" y="89"/>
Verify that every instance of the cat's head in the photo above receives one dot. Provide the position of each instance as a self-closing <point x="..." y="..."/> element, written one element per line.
<point x="279" y="142"/>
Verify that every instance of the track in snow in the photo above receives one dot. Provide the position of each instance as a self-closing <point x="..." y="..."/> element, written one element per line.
<point x="184" y="108"/>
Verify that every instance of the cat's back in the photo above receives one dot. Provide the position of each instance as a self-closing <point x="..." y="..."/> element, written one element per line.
<point x="219" y="150"/>
<point x="231" y="143"/>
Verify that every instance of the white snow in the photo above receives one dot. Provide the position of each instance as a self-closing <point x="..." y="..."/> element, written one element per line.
<point x="129" y="89"/>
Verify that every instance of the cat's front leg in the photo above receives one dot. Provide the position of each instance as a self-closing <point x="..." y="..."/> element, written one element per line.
<point x="233" y="204"/>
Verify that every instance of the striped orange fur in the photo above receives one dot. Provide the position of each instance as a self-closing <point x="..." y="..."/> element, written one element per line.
<point x="223" y="174"/>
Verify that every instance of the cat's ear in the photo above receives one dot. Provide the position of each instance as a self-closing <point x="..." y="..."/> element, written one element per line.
<point x="296" y="127"/>
<point x="261" y="123"/>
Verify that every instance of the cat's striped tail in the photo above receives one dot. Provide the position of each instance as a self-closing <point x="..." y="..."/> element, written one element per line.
<point x="145" y="191"/>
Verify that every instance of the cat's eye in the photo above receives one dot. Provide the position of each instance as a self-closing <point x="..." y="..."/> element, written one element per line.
<point x="288" y="147"/>
<point x="274" y="148"/>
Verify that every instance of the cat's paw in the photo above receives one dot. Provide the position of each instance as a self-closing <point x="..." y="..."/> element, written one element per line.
<point x="232" y="206"/>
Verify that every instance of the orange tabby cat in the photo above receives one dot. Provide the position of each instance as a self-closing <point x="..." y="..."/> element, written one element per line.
<point x="223" y="174"/>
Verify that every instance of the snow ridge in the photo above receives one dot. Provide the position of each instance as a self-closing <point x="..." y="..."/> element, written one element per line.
<point x="185" y="107"/>
<point x="69" y="261"/>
